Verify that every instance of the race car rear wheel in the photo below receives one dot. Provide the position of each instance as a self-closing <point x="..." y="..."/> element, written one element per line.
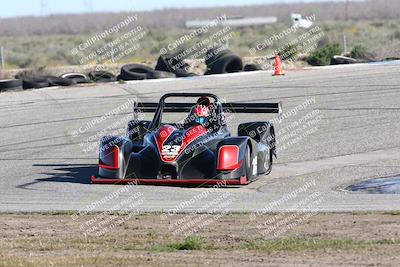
<point x="247" y="163"/>
<point x="270" y="160"/>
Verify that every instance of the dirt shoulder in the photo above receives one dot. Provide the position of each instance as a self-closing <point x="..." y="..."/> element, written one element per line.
<point x="228" y="240"/>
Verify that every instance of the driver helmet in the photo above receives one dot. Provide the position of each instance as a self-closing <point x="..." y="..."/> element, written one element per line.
<point x="201" y="110"/>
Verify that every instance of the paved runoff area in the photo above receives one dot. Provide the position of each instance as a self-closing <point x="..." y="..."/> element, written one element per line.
<point x="340" y="126"/>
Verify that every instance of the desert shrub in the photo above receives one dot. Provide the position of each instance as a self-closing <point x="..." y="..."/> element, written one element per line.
<point x="396" y="35"/>
<point x="358" y="51"/>
<point x="289" y="52"/>
<point x="323" y="56"/>
<point x="34" y="71"/>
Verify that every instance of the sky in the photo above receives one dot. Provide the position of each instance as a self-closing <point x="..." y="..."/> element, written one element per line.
<point x="13" y="8"/>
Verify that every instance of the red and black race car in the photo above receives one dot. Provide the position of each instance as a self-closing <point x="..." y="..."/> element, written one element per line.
<point x="198" y="149"/>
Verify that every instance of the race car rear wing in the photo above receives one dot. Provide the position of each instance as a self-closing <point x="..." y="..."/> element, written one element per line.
<point x="218" y="106"/>
<point x="252" y="107"/>
<point x="227" y="107"/>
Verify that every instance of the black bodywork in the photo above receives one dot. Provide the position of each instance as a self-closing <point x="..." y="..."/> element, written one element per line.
<point x="183" y="153"/>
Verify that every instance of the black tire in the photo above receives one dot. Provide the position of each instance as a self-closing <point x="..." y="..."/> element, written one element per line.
<point x="58" y="81"/>
<point x="215" y="53"/>
<point x="135" y="72"/>
<point x="170" y="63"/>
<point x="80" y="80"/>
<point x="272" y="145"/>
<point x="339" y="60"/>
<point x="391" y="58"/>
<point x="252" y="67"/>
<point x="35" y="83"/>
<point x="102" y="76"/>
<point x="76" y="77"/>
<point x="163" y="64"/>
<point x="248" y="168"/>
<point x="8" y="85"/>
<point x="208" y="72"/>
<point x="156" y="74"/>
<point x="226" y="64"/>
<point x="261" y="132"/>
<point x="184" y="73"/>
<point x="270" y="162"/>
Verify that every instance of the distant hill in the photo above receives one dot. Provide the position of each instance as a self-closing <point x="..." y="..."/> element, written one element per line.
<point x="175" y="18"/>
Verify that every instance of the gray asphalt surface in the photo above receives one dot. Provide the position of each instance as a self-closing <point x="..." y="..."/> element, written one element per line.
<point x="44" y="165"/>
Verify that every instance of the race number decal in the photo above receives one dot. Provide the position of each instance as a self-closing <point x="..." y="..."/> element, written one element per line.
<point x="169" y="151"/>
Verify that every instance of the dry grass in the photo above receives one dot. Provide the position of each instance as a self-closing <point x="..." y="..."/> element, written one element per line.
<point x="143" y="240"/>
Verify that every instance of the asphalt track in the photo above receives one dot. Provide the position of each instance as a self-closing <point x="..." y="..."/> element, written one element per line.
<point x="43" y="167"/>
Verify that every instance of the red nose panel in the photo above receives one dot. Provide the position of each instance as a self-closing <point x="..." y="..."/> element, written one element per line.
<point x="163" y="133"/>
<point x="170" y="152"/>
<point x="193" y="133"/>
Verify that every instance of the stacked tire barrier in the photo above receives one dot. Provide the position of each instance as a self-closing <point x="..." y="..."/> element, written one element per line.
<point x="24" y="82"/>
<point x="173" y="63"/>
<point x="35" y="83"/>
<point x="131" y="72"/>
<point x="45" y="81"/>
<point x="99" y="76"/>
<point x="59" y="81"/>
<point x="10" y="85"/>
<point x="76" y="77"/>
<point x="339" y="60"/>
<point x="220" y="60"/>
<point x="252" y="67"/>
<point x="134" y="72"/>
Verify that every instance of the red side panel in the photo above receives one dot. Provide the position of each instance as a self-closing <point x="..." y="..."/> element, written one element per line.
<point x="228" y="158"/>
<point x="109" y="158"/>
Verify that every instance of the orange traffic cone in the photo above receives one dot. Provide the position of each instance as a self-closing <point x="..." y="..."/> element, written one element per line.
<point x="278" y="66"/>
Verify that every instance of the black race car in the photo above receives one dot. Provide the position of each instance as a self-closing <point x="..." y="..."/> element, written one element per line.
<point x="196" y="150"/>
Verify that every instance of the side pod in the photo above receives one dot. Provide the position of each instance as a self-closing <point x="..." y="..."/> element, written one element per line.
<point x="112" y="151"/>
<point x="230" y="157"/>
